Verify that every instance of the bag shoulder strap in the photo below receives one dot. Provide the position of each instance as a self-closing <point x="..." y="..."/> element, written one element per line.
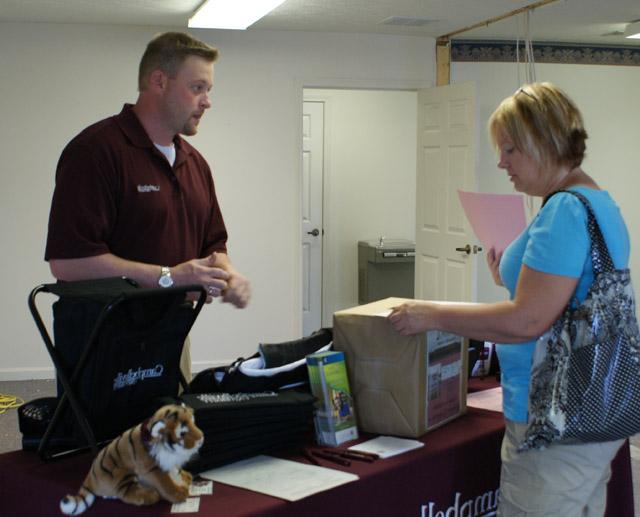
<point x="600" y="256"/>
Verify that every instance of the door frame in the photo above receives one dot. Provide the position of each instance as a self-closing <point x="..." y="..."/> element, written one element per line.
<point x="300" y="84"/>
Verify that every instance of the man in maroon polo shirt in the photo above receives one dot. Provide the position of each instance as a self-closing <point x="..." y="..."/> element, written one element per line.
<point x="133" y="198"/>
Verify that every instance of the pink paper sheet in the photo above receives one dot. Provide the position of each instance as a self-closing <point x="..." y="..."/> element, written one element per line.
<point x="496" y="219"/>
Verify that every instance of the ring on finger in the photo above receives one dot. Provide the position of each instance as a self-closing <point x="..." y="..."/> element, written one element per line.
<point x="211" y="290"/>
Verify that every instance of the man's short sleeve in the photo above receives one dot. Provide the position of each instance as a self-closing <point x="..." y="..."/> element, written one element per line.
<point x="83" y="205"/>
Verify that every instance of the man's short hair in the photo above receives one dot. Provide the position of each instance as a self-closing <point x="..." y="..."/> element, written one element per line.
<point x="168" y="51"/>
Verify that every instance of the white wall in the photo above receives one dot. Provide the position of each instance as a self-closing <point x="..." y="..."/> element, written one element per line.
<point x="609" y="101"/>
<point x="370" y="178"/>
<point x="56" y="79"/>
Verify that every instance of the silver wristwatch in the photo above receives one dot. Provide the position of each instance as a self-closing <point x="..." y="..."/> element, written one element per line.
<point x="165" y="279"/>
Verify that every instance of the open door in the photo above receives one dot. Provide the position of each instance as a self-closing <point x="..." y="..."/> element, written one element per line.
<point x="445" y="163"/>
<point x="312" y="231"/>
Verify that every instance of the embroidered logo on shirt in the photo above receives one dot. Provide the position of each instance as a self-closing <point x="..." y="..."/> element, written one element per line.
<point x="148" y="188"/>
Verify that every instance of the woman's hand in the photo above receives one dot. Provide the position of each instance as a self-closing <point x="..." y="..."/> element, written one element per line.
<point x="493" y="261"/>
<point x="412" y="317"/>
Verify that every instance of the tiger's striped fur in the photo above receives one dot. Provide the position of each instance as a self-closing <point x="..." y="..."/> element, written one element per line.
<point x="143" y="464"/>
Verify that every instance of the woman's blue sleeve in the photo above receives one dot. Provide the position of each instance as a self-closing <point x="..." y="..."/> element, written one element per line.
<point x="558" y="238"/>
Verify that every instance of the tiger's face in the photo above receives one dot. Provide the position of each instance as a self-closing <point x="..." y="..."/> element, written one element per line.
<point x="174" y="436"/>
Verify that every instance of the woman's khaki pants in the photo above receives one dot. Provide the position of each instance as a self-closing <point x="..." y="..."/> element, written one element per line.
<point x="559" y="481"/>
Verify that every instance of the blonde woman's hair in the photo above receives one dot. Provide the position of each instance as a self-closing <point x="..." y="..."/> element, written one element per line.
<point x="543" y="123"/>
<point x="168" y="51"/>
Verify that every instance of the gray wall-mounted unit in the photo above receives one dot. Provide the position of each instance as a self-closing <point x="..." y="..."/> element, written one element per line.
<point x="385" y="268"/>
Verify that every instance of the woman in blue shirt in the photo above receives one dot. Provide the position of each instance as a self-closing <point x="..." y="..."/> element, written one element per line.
<point x="540" y="137"/>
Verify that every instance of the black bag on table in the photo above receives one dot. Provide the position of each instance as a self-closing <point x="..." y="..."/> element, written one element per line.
<point x="241" y="425"/>
<point x="274" y="367"/>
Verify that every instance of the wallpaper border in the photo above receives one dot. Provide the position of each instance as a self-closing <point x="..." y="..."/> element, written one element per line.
<point x="545" y="52"/>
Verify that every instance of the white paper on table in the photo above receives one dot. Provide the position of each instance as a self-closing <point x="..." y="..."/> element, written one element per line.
<point x="285" y="479"/>
<point x="387" y="446"/>
<point x="486" y="399"/>
<point x="190" y="505"/>
<point x="198" y="488"/>
<point x="496" y="219"/>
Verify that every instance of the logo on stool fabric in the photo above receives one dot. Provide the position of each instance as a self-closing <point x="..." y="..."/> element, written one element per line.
<point x="122" y="380"/>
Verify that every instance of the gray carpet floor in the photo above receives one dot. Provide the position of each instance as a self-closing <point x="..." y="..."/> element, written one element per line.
<point x="10" y="438"/>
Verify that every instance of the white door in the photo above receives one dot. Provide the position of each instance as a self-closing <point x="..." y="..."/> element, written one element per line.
<point x="312" y="173"/>
<point x="445" y="163"/>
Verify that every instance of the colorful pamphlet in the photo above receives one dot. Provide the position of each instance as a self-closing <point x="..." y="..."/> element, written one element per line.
<point x="335" y="420"/>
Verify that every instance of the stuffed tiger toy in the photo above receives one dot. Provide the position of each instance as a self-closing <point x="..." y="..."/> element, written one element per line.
<point x="143" y="464"/>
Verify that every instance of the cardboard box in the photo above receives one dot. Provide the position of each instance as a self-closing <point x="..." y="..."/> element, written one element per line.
<point x="334" y="419"/>
<point x="402" y="385"/>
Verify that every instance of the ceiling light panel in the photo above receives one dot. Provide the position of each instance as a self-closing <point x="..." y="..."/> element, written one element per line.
<point x="633" y="30"/>
<point x="231" y="14"/>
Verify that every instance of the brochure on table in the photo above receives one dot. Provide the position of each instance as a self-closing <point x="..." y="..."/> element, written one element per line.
<point x="285" y="479"/>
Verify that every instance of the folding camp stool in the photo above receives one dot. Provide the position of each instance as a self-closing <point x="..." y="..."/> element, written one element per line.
<point x="117" y="349"/>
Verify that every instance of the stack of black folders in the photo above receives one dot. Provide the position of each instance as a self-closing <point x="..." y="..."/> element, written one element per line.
<point x="241" y="425"/>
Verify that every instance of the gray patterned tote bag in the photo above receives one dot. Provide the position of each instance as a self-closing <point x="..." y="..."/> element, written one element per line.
<point x="585" y="376"/>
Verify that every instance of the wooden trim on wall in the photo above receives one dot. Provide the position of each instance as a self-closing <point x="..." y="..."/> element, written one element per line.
<point x="443" y="61"/>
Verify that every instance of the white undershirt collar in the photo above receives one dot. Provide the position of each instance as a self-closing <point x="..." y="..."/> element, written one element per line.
<point x="169" y="151"/>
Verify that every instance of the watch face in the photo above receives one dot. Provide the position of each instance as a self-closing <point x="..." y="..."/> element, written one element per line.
<point x="165" y="281"/>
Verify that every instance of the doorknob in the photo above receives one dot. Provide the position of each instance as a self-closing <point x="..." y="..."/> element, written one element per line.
<point x="468" y="249"/>
<point x="315" y="232"/>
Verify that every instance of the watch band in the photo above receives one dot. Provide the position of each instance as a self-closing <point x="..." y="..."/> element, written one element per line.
<point x="165" y="279"/>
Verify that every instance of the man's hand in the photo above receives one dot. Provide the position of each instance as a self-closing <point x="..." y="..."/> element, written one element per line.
<point x="204" y="272"/>
<point x="238" y="290"/>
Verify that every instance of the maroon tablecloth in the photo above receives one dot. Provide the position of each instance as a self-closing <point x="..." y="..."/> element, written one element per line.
<point x="458" y="469"/>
